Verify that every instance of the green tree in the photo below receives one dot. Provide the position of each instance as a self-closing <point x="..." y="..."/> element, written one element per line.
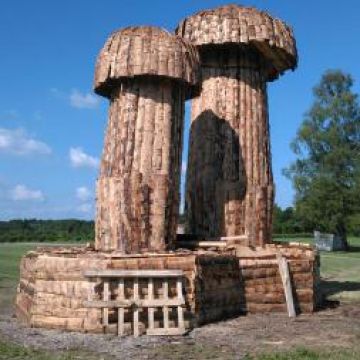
<point x="326" y="173"/>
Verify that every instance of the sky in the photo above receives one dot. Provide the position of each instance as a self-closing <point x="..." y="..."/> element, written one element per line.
<point x="52" y="125"/>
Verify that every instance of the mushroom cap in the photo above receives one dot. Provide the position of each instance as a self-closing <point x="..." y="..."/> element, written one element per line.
<point x="238" y="25"/>
<point x="146" y="51"/>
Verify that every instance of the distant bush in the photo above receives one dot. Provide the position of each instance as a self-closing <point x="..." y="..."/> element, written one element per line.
<point x="33" y="230"/>
<point x="293" y="236"/>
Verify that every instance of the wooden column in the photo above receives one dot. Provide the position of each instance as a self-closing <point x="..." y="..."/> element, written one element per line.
<point x="229" y="187"/>
<point x="138" y="187"/>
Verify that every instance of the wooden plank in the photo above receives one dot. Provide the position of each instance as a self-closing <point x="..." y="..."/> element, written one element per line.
<point x="129" y="302"/>
<point x="121" y="310"/>
<point x="228" y="238"/>
<point x="180" y="310"/>
<point x="285" y="277"/>
<point x="106" y="299"/>
<point x="134" y="273"/>
<point x="151" y="298"/>
<point x="164" y="332"/>
<point x="204" y="244"/>
<point x="165" y="308"/>
<point x="136" y="309"/>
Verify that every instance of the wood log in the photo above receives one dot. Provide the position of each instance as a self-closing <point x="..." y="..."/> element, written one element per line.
<point x="147" y="74"/>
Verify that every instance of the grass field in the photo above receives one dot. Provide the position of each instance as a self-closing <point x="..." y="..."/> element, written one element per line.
<point x="341" y="281"/>
<point x="340" y="271"/>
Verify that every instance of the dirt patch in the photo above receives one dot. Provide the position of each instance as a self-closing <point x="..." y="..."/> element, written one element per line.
<point x="233" y="339"/>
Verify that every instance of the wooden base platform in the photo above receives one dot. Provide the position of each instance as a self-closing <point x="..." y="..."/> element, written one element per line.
<point x="56" y="285"/>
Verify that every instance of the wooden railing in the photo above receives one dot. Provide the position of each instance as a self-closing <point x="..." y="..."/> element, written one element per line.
<point x="135" y="303"/>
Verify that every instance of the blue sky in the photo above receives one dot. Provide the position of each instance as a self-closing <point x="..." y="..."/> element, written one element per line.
<point x="52" y="127"/>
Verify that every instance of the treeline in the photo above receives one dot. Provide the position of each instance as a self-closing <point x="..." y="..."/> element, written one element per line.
<point x="33" y="230"/>
<point x="285" y="222"/>
<point x="289" y="221"/>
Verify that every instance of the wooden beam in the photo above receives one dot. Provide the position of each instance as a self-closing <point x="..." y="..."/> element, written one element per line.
<point x="133" y="273"/>
<point x="203" y="244"/>
<point x="180" y="310"/>
<point x="121" y="297"/>
<point x="165" y="308"/>
<point x="285" y="277"/>
<point x="150" y="299"/>
<point x="128" y="303"/>
<point x="136" y="310"/>
<point x="106" y="299"/>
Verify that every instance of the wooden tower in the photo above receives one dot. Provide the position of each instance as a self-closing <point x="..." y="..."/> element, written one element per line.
<point x="147" y="74"/>
<point x="229" y="187"/>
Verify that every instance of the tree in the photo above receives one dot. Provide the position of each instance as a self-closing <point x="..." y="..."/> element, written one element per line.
<point x="326" y="174"/>
<point x="286" y="221"/>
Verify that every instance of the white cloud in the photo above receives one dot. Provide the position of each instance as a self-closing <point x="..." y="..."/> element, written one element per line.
<point x="83" y="193"/>
<point x="83" y="101"/>
<point x="79" y="158"/>
<point x="85" y="208"/>
<point x="21" y="192"/>
<point x="19" y="142"/>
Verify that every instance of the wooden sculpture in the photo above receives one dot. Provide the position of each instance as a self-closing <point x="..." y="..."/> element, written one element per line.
<point x="229" y="187"/>
<point x="147" y="73"/>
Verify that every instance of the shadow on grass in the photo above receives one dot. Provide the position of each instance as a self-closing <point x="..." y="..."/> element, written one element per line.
<point x="330" y="288"/>
<point x="355" y="249"/>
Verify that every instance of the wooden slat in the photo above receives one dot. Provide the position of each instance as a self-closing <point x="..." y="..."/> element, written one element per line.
<point x="133" y="273"/>
<point x="204" y="244"/>
<point x="121" y="310"/>
<point x="106" y="299"/>
<point x="165" y="308"/>
<point x="128" y="303"/>
<point x="180" y="310"/>
<point x="285" y="277"/>
<point x="136" y="310"/>
<point x="150" y="299"/>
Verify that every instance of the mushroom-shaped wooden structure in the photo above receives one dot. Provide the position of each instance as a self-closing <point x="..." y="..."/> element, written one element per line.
<point x="229" y="187"/>
<point x="147" y="73"/>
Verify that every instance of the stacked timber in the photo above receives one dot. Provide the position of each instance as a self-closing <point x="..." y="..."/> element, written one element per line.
<point x="262" y="283"/>
<point x="229" y="185"/>
<point x="53" y="289"/>
<point x="147" y="74"/>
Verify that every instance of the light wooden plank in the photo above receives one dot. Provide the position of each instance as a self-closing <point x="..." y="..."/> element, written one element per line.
<point x="285" y="277"/>
<point x="151" y="310"/>
<point x="121" y="310"/>
<point x="180" y="310"/>
<point x="201" y="244"/>
<point x="136" y="309"/>
<point x="128" y="303"/>
<point x="106" y="299"/>
<point x="165" y="308"/>
<point x="134" y="273"/>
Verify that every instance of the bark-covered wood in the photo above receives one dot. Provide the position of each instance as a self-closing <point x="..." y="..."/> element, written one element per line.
<point x="145" y="51"/>
<point x="235" y="24"/>
<point x="147" y="73"/>
<point x="229" y="187"/>
<point x="138" y="187"/>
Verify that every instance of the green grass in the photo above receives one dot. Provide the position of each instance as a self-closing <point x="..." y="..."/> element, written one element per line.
<point x="305" y="354"/>
<point x="10" y="351"/>
<point x="340" y="270"/>
<point x="10" y="255"/>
